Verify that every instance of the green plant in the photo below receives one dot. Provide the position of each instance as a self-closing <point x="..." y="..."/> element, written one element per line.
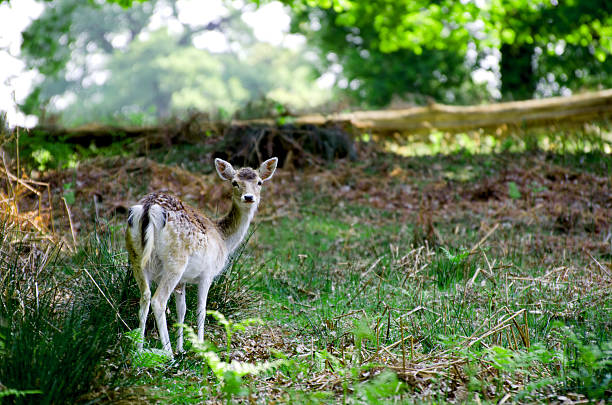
<point x="69" y="193"/>
<point x="42" y="157"/>
<point x="147" y="357"/>
<point x="229" y="373"/>
<point x="513" y="191"/>
<point x="8" y="392"/>
<point x="231" y="327"/>
<point x="451" y="267"/>
<point x="361" y="331"/>
<point x="531" y="362"/>
<point x="383" y="386"/>
<point x="456" y="258"/>
<point x="58" y="322"/>
<point x="588" y="365"/>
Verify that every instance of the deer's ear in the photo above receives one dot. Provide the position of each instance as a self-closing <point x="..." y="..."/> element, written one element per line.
<point x="267" y="168"/>
<point x="224" y="169"/>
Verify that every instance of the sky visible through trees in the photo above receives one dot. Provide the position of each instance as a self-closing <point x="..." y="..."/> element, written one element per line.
<point x="144" y="61"/>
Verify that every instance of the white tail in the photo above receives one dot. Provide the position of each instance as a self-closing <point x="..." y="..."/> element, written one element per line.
<point x="173" y="244"/>
<point x="156" y="222"/>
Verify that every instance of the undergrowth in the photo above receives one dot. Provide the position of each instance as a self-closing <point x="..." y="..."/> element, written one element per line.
<point x="59" y="317"/>
<point x="385" y="280"/>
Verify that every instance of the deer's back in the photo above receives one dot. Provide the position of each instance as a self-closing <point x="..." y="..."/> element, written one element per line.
<point x="183" y="235"/>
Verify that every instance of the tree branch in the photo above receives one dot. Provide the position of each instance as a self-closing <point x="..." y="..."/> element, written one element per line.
<point x="211" y="26"/>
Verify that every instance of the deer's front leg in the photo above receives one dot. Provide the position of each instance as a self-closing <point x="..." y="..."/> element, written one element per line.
<point x="203" y="287"/>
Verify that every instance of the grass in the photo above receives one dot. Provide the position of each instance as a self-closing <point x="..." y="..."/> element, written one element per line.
<point x="60" y="316"/>
<point x="390" y="279"/>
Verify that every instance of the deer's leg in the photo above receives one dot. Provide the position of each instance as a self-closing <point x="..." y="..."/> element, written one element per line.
<point x="145" y="292"/>
<point x="143" y="312"/>
<point x="181" y="308"/>
<point x="203" y="287"/>
<point x="159" y="302"/>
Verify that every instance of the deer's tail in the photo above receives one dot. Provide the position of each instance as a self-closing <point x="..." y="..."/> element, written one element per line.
<point x="144" y="222"/>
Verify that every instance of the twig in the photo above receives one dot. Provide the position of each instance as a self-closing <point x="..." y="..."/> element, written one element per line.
<point x="365" y="273"/>
<point x="600" y="265"/>
<point x="386" y="348"/>
<point x="521" y="332"/>
<point x="497" y="328"/>
<point x="484" y="238"/>
<point x="70" y="221"/>
<point x="403" y="346"/>
<point x="526" y="329"/>
<point x="358" y="293"/>
<point x="474" y="277"/>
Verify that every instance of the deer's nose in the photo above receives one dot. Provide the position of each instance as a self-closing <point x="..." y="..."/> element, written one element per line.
<point x="248" y="198"/>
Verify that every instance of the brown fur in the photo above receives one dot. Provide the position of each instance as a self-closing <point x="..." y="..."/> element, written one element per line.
<point x="183" y="212"/>
<point x="229" y="223"/>
<point x="246" y="173"/>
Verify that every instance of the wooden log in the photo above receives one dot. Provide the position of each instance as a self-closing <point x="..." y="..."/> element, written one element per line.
<point x="518" y="114"/>
<point x="509" y="116"/>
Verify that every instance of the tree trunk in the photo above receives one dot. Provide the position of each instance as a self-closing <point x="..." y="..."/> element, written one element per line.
<point x="518" y="80"/>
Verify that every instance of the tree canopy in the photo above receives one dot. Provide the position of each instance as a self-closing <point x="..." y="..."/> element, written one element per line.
<point x="99" y="61"/>
<point x="546" y="47"/>
<point x="97" y="57"/>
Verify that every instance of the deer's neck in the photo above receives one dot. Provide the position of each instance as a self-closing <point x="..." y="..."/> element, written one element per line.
<point x="235" y="224"/>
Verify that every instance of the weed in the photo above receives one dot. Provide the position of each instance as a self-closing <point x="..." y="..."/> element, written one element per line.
<point x="588" y="365"/>
<point x="231" y="327"/>
<point x="145" y="358"/>
<point x="513" y="191"/>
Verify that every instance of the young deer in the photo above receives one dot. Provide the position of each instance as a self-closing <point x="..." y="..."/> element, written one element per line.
<point x="173" y="244"/>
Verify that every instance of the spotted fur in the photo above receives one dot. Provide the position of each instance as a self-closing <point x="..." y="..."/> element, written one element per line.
<point x="171" y="243"/>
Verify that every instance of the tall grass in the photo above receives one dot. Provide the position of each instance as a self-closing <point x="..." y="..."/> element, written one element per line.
<point x="58" y="316"/>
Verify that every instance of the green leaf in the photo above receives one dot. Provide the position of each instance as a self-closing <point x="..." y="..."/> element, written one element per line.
<point x="600" y="55"/>
<point x="232" y="384"/>
<point x="513" y="191"/>
<point x="508" y="35"/>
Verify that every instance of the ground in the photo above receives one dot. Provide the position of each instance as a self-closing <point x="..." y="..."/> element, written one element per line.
<point x="460" y="277"/>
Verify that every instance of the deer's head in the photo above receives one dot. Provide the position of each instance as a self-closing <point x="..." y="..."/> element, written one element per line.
<point x="246" y="182"/>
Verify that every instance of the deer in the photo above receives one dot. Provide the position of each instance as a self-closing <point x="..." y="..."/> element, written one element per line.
<point x="172" y="244"/>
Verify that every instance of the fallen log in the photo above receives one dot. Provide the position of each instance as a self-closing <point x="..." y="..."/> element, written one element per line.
<point x="517" y="115"/>
<point x="505" y="117"/>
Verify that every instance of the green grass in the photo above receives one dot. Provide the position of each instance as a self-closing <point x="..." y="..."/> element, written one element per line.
<point x="60" y="316"/>
<point x="327" y="278"/>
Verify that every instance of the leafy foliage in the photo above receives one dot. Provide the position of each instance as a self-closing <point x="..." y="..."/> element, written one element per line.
<point x="229" y="373"/>
<point x="391" y="49"/>
<point x="374" y="73"/>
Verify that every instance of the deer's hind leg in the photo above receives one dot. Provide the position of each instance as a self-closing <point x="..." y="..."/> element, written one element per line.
<point x="142" y="280"/>
<point x="181" y="308"/>
<point x="171" y="276"/>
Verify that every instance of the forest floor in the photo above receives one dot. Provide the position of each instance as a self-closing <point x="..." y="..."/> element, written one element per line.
<point x="445" y="278"/>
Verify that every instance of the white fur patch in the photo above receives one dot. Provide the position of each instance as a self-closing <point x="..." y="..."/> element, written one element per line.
<point x="156" y="223"/>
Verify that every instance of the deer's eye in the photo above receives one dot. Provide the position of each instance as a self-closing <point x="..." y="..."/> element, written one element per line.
<point x="235" y="183"/>
<point x="259" y="183"/>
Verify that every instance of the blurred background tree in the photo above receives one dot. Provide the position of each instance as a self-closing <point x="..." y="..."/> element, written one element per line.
<point x="100" y="61"/>
<point x="398" y="48"/>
